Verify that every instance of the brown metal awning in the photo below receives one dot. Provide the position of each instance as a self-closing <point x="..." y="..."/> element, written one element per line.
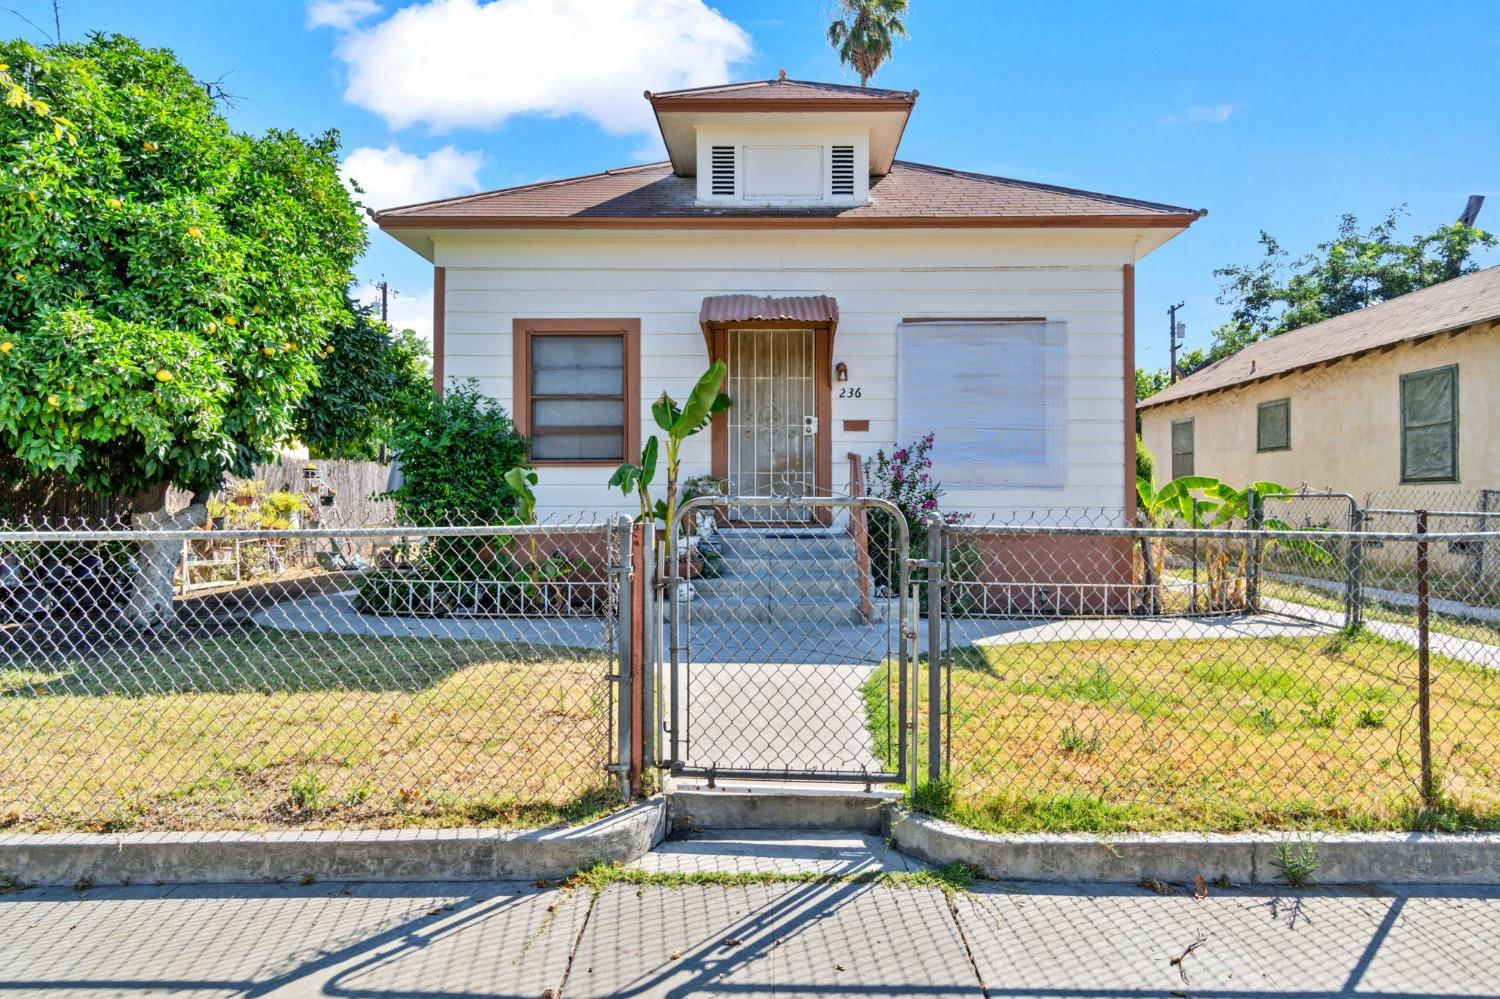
<point x="818" y="311"/>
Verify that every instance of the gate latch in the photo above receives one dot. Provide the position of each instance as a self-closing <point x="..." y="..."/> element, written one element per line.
<point x="809" y="426"/>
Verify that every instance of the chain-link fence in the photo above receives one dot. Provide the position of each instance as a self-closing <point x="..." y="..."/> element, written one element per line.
<point x="1106" y="679"/>
<point x="247" y="678"/>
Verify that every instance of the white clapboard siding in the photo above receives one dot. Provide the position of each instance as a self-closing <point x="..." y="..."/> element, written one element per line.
<point x="661" y="279"/>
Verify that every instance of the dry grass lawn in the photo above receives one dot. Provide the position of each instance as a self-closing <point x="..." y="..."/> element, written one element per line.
<point x="264" y="729"/>
<point x="1301" y="733"/>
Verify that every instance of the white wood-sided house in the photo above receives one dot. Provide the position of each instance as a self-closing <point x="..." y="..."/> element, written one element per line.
<point x="858" y="300"/>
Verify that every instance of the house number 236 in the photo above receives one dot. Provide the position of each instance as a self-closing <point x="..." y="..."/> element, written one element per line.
<point x="851" y="392"/>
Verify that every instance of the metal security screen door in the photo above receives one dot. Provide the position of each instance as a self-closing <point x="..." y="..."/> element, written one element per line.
<point x="773" y="423"/>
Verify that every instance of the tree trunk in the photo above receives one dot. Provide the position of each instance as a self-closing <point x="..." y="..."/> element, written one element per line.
<point x="150" y="603"/>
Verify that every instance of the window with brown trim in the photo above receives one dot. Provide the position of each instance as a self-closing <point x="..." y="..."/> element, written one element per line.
<point x="577" y="389"/>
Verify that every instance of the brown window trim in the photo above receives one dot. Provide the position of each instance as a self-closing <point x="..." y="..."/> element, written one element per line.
<point x="522" y="332"/>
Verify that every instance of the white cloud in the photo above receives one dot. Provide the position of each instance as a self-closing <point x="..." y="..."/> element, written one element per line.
<point x="461" y="63"/>
<point x="1200" y="114"/>
<point x="339" y="14"/>
<point x="392" y="177"/>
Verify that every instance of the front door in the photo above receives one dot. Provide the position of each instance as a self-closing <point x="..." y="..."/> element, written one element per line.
<point x="773" y="424"/>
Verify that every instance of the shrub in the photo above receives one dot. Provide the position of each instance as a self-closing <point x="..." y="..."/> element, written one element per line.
<point x="1145" y="461"/>
<point x="454" y="453"/>
<point x="903" y="478"/>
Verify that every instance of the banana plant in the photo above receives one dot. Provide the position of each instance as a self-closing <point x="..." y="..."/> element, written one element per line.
<point x="638" y="478"/>
<point x="678" y="422"/>
<point x="522" y="481"/>
<point x="1204" y="501"/>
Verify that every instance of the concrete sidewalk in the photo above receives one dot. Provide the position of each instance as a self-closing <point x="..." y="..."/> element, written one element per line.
<point x="777" y="938"/>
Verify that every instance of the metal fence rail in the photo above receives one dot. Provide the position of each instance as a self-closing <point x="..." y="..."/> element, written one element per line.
<point x="415" y="675"/>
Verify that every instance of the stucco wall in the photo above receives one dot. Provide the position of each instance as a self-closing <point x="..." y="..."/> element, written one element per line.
<point x="877" y="277"/>
<point x="1345" y="421"/>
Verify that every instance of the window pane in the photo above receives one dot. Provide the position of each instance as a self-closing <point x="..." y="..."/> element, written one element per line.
<point x="1427" y="398"/>
<point x="578" y="447"/>
<point x="577" y="413"/>
<point x="1429" y="453"/>
<point x="1182" y="447"/>
<point x="1272" y="428"/>
<point x="577" y="365"/>
<point x="577" y="351"/>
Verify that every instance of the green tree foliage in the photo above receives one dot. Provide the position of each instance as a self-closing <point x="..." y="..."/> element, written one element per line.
<point x="1148" y="383"/>
<point x="369" y="380"/>
<point x="865" y="31"/>
<point x="455" y="453"/>
<point x="1353" y="270"/>
<point x="168" y="283"/>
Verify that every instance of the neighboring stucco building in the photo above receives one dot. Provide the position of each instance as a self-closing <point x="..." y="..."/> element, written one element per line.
<point x="1400" y="397"/>
<point x="858" y="300"/>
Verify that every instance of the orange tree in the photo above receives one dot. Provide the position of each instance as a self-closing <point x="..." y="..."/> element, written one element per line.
<point x="168" y="283"/>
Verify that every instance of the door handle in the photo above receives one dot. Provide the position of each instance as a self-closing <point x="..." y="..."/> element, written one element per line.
<point x="809" y="426"/>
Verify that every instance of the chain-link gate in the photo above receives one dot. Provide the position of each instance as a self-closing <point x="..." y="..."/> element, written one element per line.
<point x="787" y="645"/>
<point x="1279" y="570"/>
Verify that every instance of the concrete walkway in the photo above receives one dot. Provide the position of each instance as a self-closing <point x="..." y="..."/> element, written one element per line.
<point x="774" y="938"/>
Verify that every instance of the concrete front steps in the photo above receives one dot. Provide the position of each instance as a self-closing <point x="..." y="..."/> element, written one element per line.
<point x="799" y="576"/>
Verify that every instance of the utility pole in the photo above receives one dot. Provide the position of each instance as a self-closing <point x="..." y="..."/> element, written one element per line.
<point x="385" y="293"/>
<point x="1175" y="333"/>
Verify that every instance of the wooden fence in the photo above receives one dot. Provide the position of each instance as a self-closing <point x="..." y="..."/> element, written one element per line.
<point x="354" y="486"/>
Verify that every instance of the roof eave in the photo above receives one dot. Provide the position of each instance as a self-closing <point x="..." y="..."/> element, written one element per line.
<point x="1152" y="402"/>
<point x="1159" y="221"/>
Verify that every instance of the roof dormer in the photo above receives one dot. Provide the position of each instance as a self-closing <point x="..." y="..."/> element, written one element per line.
<point x="782" y="142"/>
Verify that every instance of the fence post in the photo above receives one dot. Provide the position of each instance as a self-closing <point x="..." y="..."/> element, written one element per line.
<point x="642" y="649"/>
<point x="627" y="666"/>
<point x="1257" y="521"/>
<point x="1424" y="678"/>
<point x="935" y="579"/>
<point x="1354" y="561"/>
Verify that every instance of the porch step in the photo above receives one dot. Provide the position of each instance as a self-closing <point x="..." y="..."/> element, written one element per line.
<point x="765" y="603"/>
<point x="805" y="576"/>
<point x="799" y="545"/>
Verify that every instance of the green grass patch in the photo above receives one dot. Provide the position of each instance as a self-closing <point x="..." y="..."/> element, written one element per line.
<point x="1212" y="735"/>
<point x="266" y="729"/>
<point x="948" y="878"/>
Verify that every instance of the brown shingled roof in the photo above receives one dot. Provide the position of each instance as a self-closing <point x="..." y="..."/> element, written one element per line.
<point x="912" y="194"/>
<point x="1452" y="305"/>
<point x="835" y="96"/>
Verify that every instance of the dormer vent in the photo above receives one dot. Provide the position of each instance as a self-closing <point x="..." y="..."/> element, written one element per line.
<point x="841" y="180"/>
<point x="722" y="176"/>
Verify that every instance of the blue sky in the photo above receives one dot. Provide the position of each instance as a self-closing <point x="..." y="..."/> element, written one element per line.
<point x="1272" y="115"/>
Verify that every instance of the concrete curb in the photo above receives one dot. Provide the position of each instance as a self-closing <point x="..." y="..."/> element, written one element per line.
<point x="1245" y="858"/>
<point x="776" y="809"/>
<point x="333" y="855"/>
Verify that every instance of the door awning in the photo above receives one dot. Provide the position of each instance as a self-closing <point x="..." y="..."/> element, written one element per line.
<point x="818" y="311"/>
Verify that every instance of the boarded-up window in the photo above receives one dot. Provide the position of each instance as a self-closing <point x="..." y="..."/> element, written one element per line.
<point x="577" y="402"/>
<point x="1273" y="425"/>
<point x="1429" y="425"/>
<point x="1182" y="447"/>
<point x="994" y="395"/>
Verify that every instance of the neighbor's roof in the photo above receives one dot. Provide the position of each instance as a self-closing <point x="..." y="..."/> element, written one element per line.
<point x="912" y="194"/>
<point x="807" y="95"/>
<point x="1452" y="305"/>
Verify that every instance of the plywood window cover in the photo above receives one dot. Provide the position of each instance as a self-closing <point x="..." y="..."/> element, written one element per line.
<point x="523" y="331"/>
<point x="1451" y="370"/>
<point x="1188" y="453"/>
<point x="1285" y="404"/>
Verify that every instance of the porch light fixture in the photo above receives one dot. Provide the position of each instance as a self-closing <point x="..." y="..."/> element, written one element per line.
<point x="841" y="372"/>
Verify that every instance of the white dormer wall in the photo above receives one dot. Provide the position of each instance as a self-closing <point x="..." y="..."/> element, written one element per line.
<point x="782" y="165"/>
